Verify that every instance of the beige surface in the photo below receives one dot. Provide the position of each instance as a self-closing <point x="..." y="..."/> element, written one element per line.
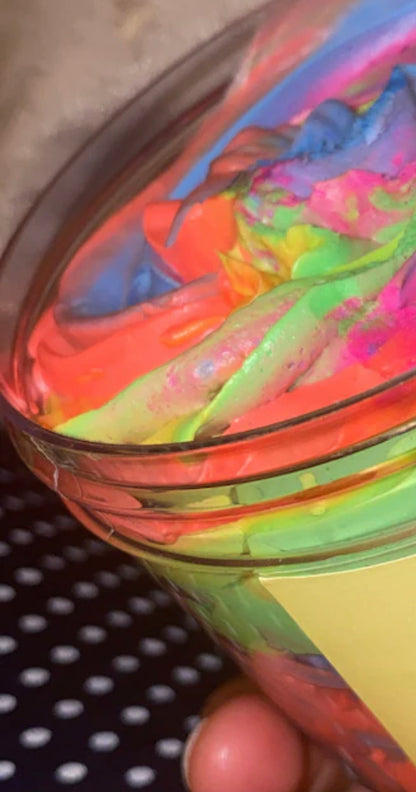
<point x="67" y="64"/>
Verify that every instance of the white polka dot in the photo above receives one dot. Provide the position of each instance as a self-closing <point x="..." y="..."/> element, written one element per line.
<point x="98" y="685"/>
<point x="7" y="644"/>
<point x="71" y="773"/>
<point x="92" y="634"/>
<point x="185" y="675"/>
<point x="94" y="546"/>
<point x="135" y="715"/>
<point x="107" y="579"/>
<point x="191" y="722"/>
<point x="209" y="662"/>
<point x="85" y="590"/>
<point x="20" y="537"/>
<point x="140" y="777"/>
<point x="169" y="748"/>
<point x="64" y="655"/>
<point x="33" y="498"/>
<point x="126" y="664"/>
<point x="190" y="623"/>
<point x="129" y="572"/>
<point x="43" y="528"/>
<point x="160" y="694"/>
<point x="53" y="562"/>
<point x="65" y="522"/>
<point x="68" y="708"/>
<point x="60" y="606"/>
<point x="32" y="623"/>
<point x="34" y="677"/>
<point x="175" y="634"/>
<point x="141" y="605"/>
<point x="161" y="598"/>
<point x="6" y="476"/>
<point x="103" y="741"/>
<point x="13" y="503"/>
<point x="28" y="576"/>
<point x="8" y="703"/>
<point x="4" y="549"/>
<point x="118" y="618"/>
<point x="75" y="554"/>
<point x="36" y="737"/>
<point x="7" y="593"/>
<point x="7" y="770"/>
<point x="152" y="647"/>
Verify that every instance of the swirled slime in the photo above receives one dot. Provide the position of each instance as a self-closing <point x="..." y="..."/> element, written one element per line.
<point x="277" y="277"/>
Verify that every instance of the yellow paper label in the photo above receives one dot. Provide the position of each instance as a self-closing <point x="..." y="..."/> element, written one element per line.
<point x="364" y="622"/>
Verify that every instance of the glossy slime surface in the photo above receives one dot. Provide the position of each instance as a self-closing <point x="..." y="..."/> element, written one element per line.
<point x="270" y="275"/>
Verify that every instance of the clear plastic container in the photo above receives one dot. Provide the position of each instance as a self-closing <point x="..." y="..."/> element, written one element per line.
<point x="246" y="543"/>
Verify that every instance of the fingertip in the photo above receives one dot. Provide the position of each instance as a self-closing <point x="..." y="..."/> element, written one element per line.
<point x="245" y="744"/>
<point x="188" y="751"/>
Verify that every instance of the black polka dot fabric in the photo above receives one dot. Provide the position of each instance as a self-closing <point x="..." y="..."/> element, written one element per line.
<point x="102" y="676"/>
